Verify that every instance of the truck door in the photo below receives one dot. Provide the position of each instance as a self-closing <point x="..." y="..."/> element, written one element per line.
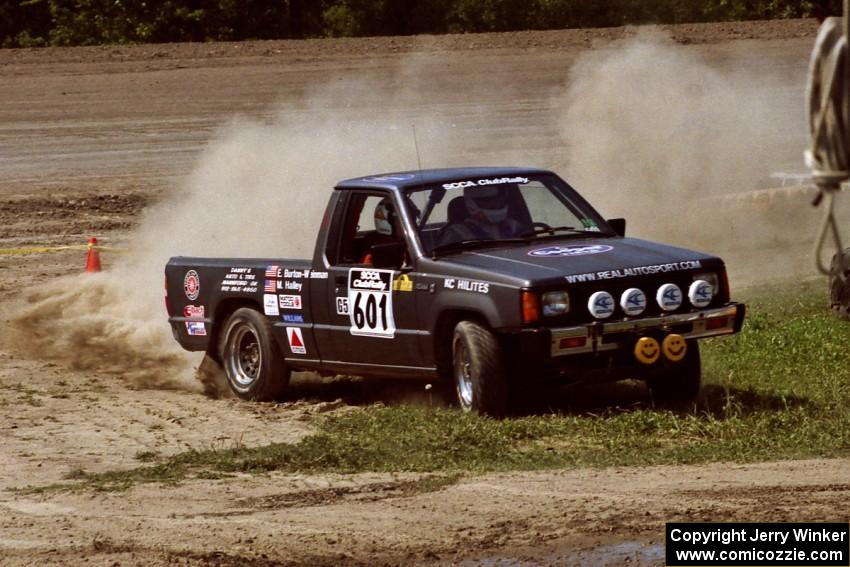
<point x="372" y="312"/>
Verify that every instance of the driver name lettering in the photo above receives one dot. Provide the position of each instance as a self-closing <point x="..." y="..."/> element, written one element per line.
<point x="497" y="181"/>
<point x="637" y="271"/>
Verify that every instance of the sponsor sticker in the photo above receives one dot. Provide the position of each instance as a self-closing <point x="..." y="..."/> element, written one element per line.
<point x="403" y="283"/>
<point x="193" y="311"/>
<point x="636" y="271"/>
<point x="669" y="297"/>
<point x="370" y="303"/>
<point x="342" y="306"/>
<point x="192" y="285"/>
<point x="290" y="301"/>
<point x="466" y="285"/>
<point x="601" y="305"/>
<point x="576" y="250"/>
<point x="240" y="280"/>
<point x="270" y="305"/>
<point x="293" y="318"/>
<point x="296" y="340"/>
<point x="196" y="328"/>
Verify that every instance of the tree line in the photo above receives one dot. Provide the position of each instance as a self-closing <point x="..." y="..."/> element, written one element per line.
<point x="33" y="23"/>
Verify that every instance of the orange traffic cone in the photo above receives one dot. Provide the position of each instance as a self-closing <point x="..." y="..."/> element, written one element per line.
<point x="93" y="256"/>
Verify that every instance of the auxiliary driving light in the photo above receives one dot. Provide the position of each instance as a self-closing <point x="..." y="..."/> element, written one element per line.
<point x="701" y="293"/>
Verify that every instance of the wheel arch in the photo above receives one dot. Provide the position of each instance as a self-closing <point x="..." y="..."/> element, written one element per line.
<point x="224" y="309"/>
<point x="443" y="334"/>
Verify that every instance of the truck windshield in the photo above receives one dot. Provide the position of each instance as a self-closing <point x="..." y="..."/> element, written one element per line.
<point x="503" y="209"/>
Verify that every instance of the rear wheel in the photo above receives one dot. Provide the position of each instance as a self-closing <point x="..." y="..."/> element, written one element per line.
<point x="478" y="369"/>
<point x="252" y="361"/>
<point x="679" y="383"/>
<point x="839" y="284"/>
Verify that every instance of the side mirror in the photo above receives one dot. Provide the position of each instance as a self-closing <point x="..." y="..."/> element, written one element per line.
<point x="388" y="254"/>
<point x="618" y="225"/>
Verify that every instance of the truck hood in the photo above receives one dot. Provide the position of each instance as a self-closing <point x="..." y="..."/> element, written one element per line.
<point x="604" y="258"/>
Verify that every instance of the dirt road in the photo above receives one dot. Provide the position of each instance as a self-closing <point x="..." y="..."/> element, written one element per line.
<point x="90" y="137"/>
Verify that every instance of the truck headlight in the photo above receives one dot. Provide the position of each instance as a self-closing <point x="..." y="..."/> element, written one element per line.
<point x="555" y="303"/>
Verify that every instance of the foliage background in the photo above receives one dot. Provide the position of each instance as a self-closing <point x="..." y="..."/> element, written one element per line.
<point x="33" y="23"/>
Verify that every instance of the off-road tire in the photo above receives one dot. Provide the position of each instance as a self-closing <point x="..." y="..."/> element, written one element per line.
<point x="839" y="285"/>
<point x="679" y="383"/>
<point x="478" y="370"/>
<point x="251" y="357"/>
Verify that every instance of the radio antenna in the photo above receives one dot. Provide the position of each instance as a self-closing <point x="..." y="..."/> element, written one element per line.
<point x="416" y="147"/>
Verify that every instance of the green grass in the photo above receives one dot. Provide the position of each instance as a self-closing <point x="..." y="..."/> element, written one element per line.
<point x="778" y="390"/>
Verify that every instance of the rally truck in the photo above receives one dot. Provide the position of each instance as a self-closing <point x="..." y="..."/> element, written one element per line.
<point x="494" y="279"/>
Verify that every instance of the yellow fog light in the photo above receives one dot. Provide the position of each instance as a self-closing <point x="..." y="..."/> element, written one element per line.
<point x="674" y="347"/>
<point x="647" y="350"/>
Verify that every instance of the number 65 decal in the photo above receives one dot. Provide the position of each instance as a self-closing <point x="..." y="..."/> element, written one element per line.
<point x="370" y="303"/>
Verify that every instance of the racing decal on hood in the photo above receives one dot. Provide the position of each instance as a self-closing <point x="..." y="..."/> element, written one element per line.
<point x="576" y="250"/>
<point x="637" y="271"/>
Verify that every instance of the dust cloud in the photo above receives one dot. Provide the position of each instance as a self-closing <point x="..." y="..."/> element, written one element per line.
<point x="681" y="146"/>
<point x="259" y="189"/>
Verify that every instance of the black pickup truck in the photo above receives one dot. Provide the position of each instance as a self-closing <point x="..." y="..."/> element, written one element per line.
<point x="495" y="279"/>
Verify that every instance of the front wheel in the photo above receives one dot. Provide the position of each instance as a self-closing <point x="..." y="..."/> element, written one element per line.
<point x="252" y="361"/>
<point x="478" y="370"/>
<point x="679" y="383"/>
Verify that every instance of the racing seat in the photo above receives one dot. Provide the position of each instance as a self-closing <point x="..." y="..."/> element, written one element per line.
<point x="456" y="213"/>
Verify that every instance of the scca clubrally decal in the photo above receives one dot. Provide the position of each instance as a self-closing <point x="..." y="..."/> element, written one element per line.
<point x="370" y="303"/>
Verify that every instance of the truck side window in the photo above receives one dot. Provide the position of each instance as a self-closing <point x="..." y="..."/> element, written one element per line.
<point x="369" y="220"/>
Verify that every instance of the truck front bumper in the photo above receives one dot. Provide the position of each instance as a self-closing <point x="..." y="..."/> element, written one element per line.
<point x="600" y="337"/>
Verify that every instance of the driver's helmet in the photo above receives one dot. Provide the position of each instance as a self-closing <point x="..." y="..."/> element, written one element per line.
<point x="385" y="216"/>
<point x="487" y="203"/>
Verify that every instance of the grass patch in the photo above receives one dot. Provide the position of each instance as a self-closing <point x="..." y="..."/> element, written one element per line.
<point x="778" y="390"/>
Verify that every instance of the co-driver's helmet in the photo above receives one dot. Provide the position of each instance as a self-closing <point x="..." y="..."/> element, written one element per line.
<point x="385" y="217"/>
<point x="488" y="202"/>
